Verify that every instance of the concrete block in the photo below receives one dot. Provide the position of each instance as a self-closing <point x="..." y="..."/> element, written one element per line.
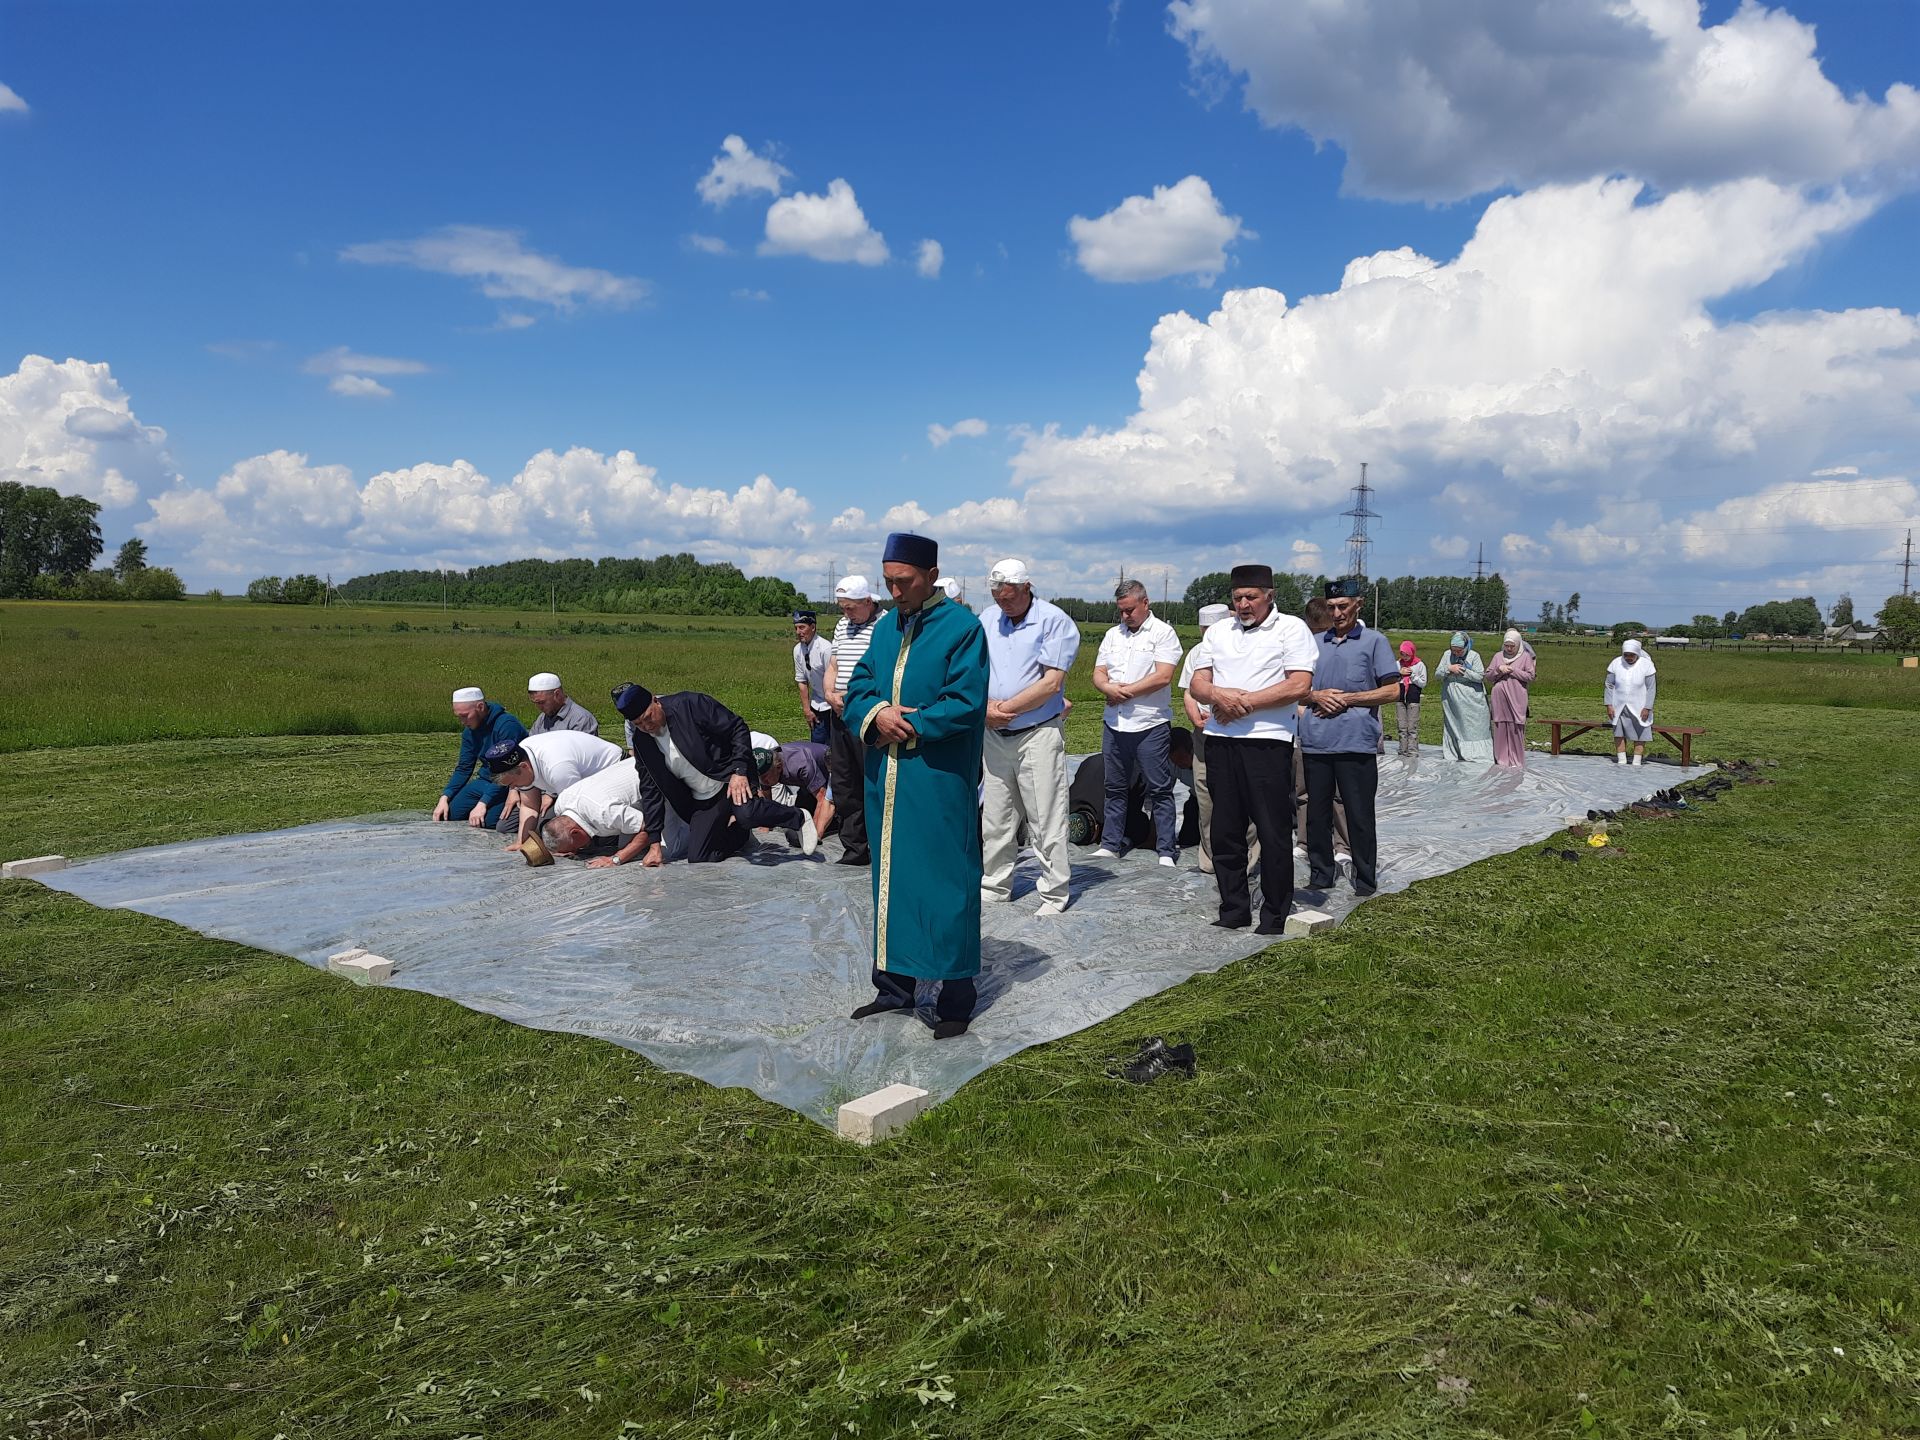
<point x="354" y="954"/>
<point x="1910" y="662"/>
<point x="1309" y="922"/>
<point x="876" y="1116"/>
<point x="39" y="865"/>
<point x="361" y="967"/>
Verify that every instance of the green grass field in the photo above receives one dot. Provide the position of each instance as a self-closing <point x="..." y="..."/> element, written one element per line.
<point x="1620" y="1148"/>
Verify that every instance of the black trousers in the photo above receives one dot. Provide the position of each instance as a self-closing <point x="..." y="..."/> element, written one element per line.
<point x="718" y="828"/>
<point x="1252" y="784"/>
<point x="956" y="1000"/>
<point x="1357" y="779"/>
<point x="847" y="769"/>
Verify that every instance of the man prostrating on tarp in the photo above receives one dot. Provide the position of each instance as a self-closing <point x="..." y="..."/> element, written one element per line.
<point x="918" y="698"/>
<point x="693" y="753"/>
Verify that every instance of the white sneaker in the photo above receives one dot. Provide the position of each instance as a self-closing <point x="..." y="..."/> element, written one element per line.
<point x="1639" y="759"/>
<point x="1053" y="907"/>
<point x="1168" y="861"/>
<point x="809" y="836"/>
<point x="1299" y="852"/>
<point x="1105" y="854"/>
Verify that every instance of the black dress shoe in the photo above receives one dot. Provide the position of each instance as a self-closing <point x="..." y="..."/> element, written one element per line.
<point x="947" y="1029"/>
<point x="1314" y="882"/>
<point x="1361" y="892"/>
<point x="863" y="858"/>
<point x="1231" y="924"/>
<point x="880" y="1007"/>
<point x="1265" y="928"/>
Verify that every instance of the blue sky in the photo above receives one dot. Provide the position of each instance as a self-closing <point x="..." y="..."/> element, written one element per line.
<point x="238" y="222"/>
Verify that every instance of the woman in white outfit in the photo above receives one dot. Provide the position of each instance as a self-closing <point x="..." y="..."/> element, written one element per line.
<point x="1630" y="702"/>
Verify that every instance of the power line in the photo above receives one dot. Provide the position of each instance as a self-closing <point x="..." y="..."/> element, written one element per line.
<point x="1906" y="568"/>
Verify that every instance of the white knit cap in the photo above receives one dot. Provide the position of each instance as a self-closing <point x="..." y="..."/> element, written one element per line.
<point x="1213" y="614"/>
<point x="854" y="587"/>
<point x="1009" y="572"/>
<point x="950" y="585"/>
<point x="545" y="680"/>
<point x="468" y="694"/>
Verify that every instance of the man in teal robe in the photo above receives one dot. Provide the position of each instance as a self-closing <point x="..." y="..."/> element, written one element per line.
<point x="919" y="700"/>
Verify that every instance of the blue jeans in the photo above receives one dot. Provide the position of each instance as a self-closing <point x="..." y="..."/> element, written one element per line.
<point x="1149" y="751"/>
<point x="821" y="733"/>
<point x="478" y="792"/>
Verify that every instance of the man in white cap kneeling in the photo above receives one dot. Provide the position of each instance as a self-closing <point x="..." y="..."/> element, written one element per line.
<point x="557" y="710"/>
<point x="846" y="751"/>
<point x="477" y="799"/>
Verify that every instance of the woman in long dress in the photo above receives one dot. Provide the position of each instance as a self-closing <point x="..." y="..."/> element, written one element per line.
<point x="1508" y="675"/>
<point x="1467" y="733"/>
<point x="1406" y="708"/>
<point x="1629" y="696"/>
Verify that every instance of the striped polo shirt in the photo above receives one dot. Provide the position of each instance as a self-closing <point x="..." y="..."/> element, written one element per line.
<point x="850" y="643"/>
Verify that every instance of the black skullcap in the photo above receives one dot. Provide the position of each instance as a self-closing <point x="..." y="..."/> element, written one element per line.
<point x="504" y="756"/>
<point x="1257" y="577"/>
<point x="906" y="548"/>
<point x="1344" y="588"/>
<point x="632" y="700"/>
<point x="807" y="616"/>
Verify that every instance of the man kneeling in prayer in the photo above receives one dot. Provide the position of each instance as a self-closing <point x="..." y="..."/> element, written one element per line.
<point x="795" y="773"/>
<point x="539" y="767"/>
<point x="601" y="810"/>
<point x="693" y="755"/>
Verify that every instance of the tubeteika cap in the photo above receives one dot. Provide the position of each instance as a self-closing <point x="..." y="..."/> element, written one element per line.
<point x="1344" y="588"/>
<point x="1009" y="572"/>
<point x="1251" y="577"/>
<point x="545" y="680"/>
<point x="1213" y="614"/>
<point x="765" y="749"/>
<point x="906" y="548"/>
<point x="805" y="617"/>
<point x="631" y="700"/>
<point x="468" y="695"/>
<point x="504" y="756"/>
<point x="853" y="587"/>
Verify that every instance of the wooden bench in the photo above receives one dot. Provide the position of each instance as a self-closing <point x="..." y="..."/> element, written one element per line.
<point x="1679" y="736"/>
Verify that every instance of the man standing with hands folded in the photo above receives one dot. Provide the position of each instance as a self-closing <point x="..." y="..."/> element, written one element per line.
<point x="1258" y="666"/>
<point x="1355" y="673"/>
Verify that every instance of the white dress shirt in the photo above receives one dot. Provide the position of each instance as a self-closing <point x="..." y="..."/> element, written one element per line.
<point x="566" y="757"/>
<point x="1130" y="656"/>
<point x="605" y="804"/>
<point x="704" y="787"/>
<point x="1257" y="659"/>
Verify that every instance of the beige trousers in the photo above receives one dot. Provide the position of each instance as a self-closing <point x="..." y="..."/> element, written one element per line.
<point x="1025" y="782"/>
<point x="1203" y="795"/>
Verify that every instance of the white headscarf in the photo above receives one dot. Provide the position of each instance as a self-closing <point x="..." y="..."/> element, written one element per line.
<point x="1634" y="647"/>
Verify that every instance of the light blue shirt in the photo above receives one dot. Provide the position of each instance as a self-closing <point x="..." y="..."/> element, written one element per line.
<point x="1044" y="639"/>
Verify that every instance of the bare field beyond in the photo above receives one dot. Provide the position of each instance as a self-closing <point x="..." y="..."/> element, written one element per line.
<point x="1621" y="1147"/>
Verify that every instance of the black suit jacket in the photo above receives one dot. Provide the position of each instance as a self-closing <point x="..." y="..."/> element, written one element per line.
<point x="708" y="735"/>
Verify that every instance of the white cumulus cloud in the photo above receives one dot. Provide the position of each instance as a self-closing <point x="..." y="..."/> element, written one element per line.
<point x="708" y="244"/>
<point x="828" y="227"/>
<point x="359" y="387"/>
<point x="11" y="101"/>
<point x="499" y="262"/>
<point x="939" y="435"/>
<point x="928" y="260"/>
<point x="68" y="425"/>
<point x="1180" y="229"/>
<point x="737" y="170"/>
<point x="1571" y="337"/>
<point x="1438" y="102"/>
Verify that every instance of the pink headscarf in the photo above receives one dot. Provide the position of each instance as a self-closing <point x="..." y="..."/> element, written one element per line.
<point x="1408" y="657"/>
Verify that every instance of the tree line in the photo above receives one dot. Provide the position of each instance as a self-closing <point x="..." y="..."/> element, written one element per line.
<point x="667" y="585"/>
<point x="49" y="541"/>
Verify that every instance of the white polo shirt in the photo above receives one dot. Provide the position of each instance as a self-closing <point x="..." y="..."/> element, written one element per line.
<point x="566" y="757"/>
<point x="605" y="804"/>
<point x="1257" y="659"/>
<point x="1130" y="656"/>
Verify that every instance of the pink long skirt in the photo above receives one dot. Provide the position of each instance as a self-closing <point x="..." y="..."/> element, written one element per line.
<point x="1510" y="744"/>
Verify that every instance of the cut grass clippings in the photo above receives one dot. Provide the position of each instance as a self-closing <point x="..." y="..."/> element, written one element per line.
<point x="1609" y="1149"/>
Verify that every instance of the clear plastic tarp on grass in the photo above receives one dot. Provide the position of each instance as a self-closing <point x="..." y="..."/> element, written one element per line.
<point x="743" y="973"/>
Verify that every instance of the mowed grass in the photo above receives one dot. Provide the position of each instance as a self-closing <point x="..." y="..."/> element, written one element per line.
<point x="1620" y="1148"/>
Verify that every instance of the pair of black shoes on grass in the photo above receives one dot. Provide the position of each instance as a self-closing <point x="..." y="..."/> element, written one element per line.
<point x="942" y="1029"/>
<point x="1153" y="1059"/>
